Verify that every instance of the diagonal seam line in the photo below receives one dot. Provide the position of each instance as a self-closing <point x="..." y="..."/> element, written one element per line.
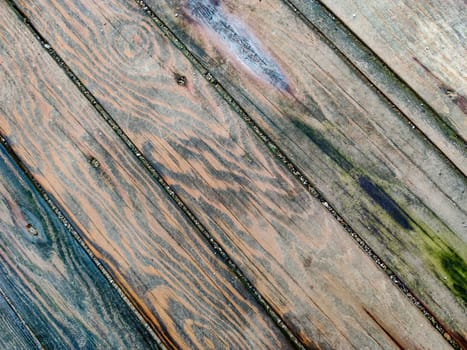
<point x="16" y="313"/>
<point x="298" y="174"/>
<point x="215" y="246"/>
<point x="415" y="97"/>
<point x="69" y="226"/>
<point x="271" y="146"/>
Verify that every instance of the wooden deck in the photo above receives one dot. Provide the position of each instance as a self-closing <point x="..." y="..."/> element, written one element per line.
<point x="269" y="174"/>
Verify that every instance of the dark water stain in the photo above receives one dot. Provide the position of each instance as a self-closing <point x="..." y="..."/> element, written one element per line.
<point x="456" y="268"/>
<point x="373" y="190"/>
<point x="235" y="35"/>
<point x="323" y="144"/>
<point x="384" y="201"/>
<point x="306" y="105"/>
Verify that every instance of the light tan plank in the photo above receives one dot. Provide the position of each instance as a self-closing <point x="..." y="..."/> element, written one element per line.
<point x="52" y="283"/>
<point x="298" y="256"/>
<point x="167" y="270"/>
<point x="394" y="188"/>
<point x="424" y="42"/>
<point x="435" y="126"/>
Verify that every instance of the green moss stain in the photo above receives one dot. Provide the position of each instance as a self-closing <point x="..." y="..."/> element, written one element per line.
<point x="448" y="266"/>
<point x="456" y="270"/>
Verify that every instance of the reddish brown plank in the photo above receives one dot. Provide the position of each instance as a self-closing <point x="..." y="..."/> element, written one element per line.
<point x="150" y="249"/>
<point x="391" y="184"/>
<point x="298" y="256"/>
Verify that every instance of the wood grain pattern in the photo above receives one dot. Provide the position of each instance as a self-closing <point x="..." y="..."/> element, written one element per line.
<point x="392" y="86"/>
<point x="14" y="334"/>
<point x="54" y="286"/>
<point x="389" y="183"/>
<point x="298" y="256"/>
<point x="190" y="298"/>
<point x="423" y="42"/>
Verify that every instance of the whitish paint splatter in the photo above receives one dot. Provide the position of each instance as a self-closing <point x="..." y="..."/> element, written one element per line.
<point x="235" y="35"/>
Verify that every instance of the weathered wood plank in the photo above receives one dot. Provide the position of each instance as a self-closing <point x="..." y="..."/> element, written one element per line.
<point x="394" y="188"/>
<point x="14" y="334"/>
<point x="150" y="249"/>
<point x="298" y="256"/>
<point x="423" y="42"/>
<point x="352" y="49"/>
<point x="53" y="284"/>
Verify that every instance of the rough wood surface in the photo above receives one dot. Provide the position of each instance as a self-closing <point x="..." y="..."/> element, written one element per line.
<point x="424" y="42"/>
<point x="298" y="256"/>
<point x="53" y="285"/>
<point x="394" y="87"/>
<point x="190" y="298"/>
<point x="391" y="184"/>
<point x="14" y="334"/>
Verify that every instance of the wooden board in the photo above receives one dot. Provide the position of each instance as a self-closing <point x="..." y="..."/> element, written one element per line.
<point x="423" y="42"/>
<point x="396" y="190"/>
<point x="149" y="248"/>
<point x="54" y="286"/>
<point x="14" y="334"/>
<point x="391" y="87"/>
<point x="298" y="256"/>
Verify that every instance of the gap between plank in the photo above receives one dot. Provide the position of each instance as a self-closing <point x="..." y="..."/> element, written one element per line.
<point x="271" y="145"/>
<point x="298" y="174"/>
<point x="371" y="56"/>
<point x="13" y="309"/>
<point x="74" y="233"/>
<point x="218" y="250"/>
